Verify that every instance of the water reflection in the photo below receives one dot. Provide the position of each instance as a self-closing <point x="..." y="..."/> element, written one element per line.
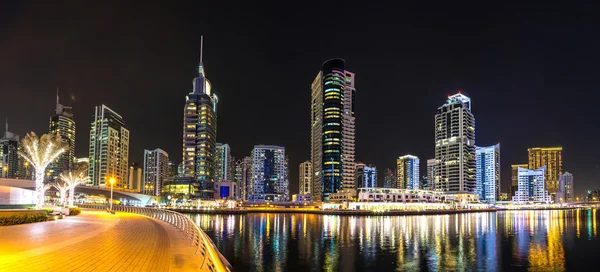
<point x="521" y="240"/>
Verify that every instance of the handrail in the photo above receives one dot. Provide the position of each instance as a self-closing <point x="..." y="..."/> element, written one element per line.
<point x="212" y="258"/>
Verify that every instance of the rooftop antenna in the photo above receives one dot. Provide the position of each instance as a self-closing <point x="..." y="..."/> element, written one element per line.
<point x="6" y="124"/>
<point x="56" y="95"/>
<point x="201" y="45"/>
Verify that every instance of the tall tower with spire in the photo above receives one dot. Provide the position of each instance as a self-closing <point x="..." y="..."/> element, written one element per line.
<point x="9" y="159"/>
<point x="62" y="122"/>
<point x="200" y="133"/>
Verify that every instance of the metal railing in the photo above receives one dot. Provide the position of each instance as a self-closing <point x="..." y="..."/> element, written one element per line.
<point x="213" y="260"/>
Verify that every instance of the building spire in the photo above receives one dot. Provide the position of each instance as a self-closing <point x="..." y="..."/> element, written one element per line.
<point x="6" y="130"/>
<point x="201" y="47"/>
<point x="57" y="95"/>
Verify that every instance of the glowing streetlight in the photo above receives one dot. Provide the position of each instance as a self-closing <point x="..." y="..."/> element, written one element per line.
<point x="5" y="170"/>
<point x="112" y="182"/>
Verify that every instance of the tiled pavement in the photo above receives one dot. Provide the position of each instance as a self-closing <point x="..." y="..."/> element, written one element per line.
<point x="96" y="241"/>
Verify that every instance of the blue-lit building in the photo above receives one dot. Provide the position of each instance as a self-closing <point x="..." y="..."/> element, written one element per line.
<point x="269" y="182"/>
<point x="365" y="176"/>
<point x="487" y="173"/>
<point x="407" y="172"/>
<point x="532" y="187"/>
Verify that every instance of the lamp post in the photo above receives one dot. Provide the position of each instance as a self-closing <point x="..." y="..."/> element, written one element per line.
<point x="112" y="182"/>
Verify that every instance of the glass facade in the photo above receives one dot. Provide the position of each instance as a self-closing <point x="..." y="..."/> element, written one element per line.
<point x="488" y="173"/>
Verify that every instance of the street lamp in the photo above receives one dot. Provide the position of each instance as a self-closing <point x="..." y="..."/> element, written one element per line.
<point x="112" y="182"/>
<point x="5" y="170"/>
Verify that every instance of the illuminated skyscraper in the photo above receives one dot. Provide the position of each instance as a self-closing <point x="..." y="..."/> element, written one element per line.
<point x="407" y="172"/>
<point x="135" y="177"/>
<point x="389" y="179"/>
<point x="109" y="149"/>
<point x="9" y="158"/>
<point x="531" y="186"/>
<point x="365" y="176"/>
<point x="455" y="146"/>
<point x="243" y="176"/>
<point x="269" y="174"/>
<point x="514" y="185"/>
<point x="306" y="174"/>
<point x="332" y="129"/>
<point x="487" y="173"/>
<point x="430" y="175"/>
<point x="62" y="122"/>
<point x="156" y="171"/>
<point x="566" y="190"/>
<point x="551" y="157"/>
<point x="200" y="134"/>
<point x="223" y="163"/>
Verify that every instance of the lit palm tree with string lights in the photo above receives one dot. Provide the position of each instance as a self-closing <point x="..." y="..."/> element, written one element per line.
<point x="74" y="177"/>
<point x="62" y="188"/>
<point x="40" y="152"/>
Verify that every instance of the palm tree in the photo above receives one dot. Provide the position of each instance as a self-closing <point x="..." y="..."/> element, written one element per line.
<point x="74" y="177"/>
<point x="62" y="188"/>
<point x="40" y="152"/>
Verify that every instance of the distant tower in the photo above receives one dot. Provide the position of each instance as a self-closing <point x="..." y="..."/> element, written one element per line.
<point x="455" y="146"/>
<point x="306" y="174"/>
<point x="223" y="163"/>
<point x="9" y="159"/>
<point x="487" y="173"/>
<point x="332" y="130"/>
<point x="200" y="134"/>
<point x="430" y="174"/>
<point x="365" y="176"/>
<point x="156" y="171"/>
<point x="62" y="122"/>
<point x="531" y="186"/>
<point x="407" y="172"/>
<point x="109" y="149"/>
<point x="551" y="157"/>
<point x="566" y="189"/>
<point x="269" y="175"/>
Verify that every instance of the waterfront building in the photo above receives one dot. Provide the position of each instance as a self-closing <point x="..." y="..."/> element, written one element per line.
<point x="531" y="186"/>
<point x="200" y="134"/>
<point x="332" y="129"/>
<point x="243" y="176"/>
<point x="223" y="163"/>
<point x="109" y="149"/>
<point x="269" y="181"/>
<point x="566" y="190"/>
<point x="302" y="198"/>
<point x="407" y="172"/>
<point x="135" y="174"/>
<point x="514" y="185"/>
<point x="551" y="157"/>
<point x="366" y="176"/>
<point x="487" y="173"/>
<point x="455" y="146"/>
<point x="180" y="187"/>
<point x="226" y="190"/>
<point x="430" y="174"/>
<point x="172" y="171"/>
<point x="389" y="179"/>
<point x="63" y="124"/>
<point x="9" y="157"/>
<point x="399" y="195"/>
<point x="306" y="174"/>
<point x="156" y="171"/>
<point x="344" y="195"/>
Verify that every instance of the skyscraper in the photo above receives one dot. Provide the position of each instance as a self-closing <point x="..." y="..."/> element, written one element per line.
<point x="243" y="176"/>
<point x="223" y="163"/>
<point x="365" y="176"/>
<point x="566" y="189"/>
<point x="9" y="158"/>
<point x="389" y="179"/>
<point x="487" y="173"/>
<point x="531" y="186"/>
<point x="430" y="174"/>
<point x="135" y="177"/>
<point x="200" y="134"/>
<point x="514" y="185"/>
<point x="156" y="171"/>
<point x="332" y="129"/>
<point x="109" y="149"/>
<point x="306" y="174"/>
<point x="63" y="124"/>
<point x="455" y="146"/>
<point x="269" y="174"/>
<point x="551" y="157"/>
<point x="407" y="172"/>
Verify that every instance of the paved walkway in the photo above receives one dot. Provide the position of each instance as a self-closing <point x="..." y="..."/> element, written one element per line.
<point x="97" y="241"/>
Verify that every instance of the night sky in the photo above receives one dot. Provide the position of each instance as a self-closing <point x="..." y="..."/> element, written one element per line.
<point x="531" y="72"/>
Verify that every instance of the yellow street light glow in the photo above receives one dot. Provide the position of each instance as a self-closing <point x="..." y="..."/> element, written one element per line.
<point x="112" y="180"/>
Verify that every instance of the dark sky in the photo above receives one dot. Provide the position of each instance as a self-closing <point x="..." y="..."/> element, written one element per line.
<point x="531" y="72"/>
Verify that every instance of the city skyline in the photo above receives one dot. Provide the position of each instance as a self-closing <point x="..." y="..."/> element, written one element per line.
<point x="167" y="78"/>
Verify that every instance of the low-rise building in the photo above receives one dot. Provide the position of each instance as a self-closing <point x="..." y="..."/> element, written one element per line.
<point x="343" y="196"/>
<point x="226" y="190"/>
<point x="302" y="198"/>
<point x="399" y="195"/>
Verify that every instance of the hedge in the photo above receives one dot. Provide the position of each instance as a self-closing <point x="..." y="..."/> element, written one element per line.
<point x="22" y="219"/>
<point x="74" y="211"/>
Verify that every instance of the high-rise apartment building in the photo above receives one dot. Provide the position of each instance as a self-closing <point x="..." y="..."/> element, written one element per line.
<point x="135" y="174"/>
<point x="156" y="171"/>
<point x="306" y="174"/>
<point x="269" y="174"/>
<point x="365" y="176"/>
<point x="566" y="189"/>
<point x="200" y="134"/>
<point x="243" y="176"/>
<point x="514" y="178"/>
<point x="223" y="163"/>
<point x="109" y="149"/>
<point x="407" y="172"/>
<point x="551" y="157"/>
<point x="63" y="124"/>
<point x="9" y="157"/>
<point x="531" y="186"/>
<point x="430" y="174"/>
<point x="389" y="179"/>
<point x="332" y="129"/>
<point x="487" y="173"/>
<point x="455" y="146"/>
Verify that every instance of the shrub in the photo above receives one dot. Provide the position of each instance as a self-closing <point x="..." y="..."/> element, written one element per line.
<point x="22" y="219"/>
<point x="49" y="210"/>
<point x="74" y="211"/>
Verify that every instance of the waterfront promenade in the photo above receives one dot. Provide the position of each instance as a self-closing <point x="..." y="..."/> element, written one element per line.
<point x="97" y="241"/>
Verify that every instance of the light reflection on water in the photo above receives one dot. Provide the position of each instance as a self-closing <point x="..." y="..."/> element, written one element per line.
<point x="511" y="240"/>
